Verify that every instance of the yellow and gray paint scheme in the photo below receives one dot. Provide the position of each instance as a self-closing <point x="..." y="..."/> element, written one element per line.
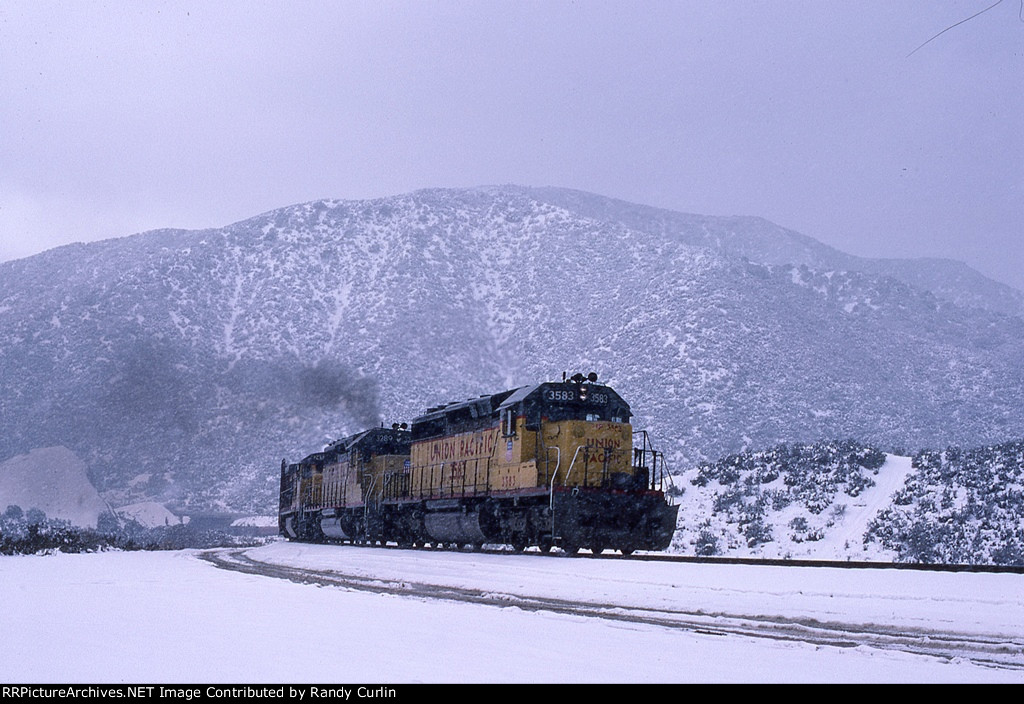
<point x="549" y="464"/>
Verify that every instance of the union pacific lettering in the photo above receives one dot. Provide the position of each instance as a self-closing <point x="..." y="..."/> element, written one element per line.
<point x="463" y="447"/>
<point x="604" y="427"/>
<point x="612" y="443"/>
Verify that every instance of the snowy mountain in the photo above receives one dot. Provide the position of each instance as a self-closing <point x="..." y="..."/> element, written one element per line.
<point x="181" y="366"/>
<point x="761" y="241"/>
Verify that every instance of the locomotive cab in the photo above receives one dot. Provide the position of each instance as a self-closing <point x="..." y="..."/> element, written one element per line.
<point x="581" y="432"/>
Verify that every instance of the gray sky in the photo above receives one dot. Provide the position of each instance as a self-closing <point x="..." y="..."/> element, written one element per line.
<point x="118" y="117"/>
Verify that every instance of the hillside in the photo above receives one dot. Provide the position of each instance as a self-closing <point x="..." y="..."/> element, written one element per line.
<point x="848" y="501"/>
<point x="52" y="480"/>
<point x="959" y="506"/>
<point x="181" y="366"/>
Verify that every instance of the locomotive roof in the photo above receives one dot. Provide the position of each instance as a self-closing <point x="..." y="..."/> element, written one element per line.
<point x="373" y="434"/>
<point x="481" y="406"/>
<point x="489" y="404"/>
<point x="519" y="395"/>
<point x="313" y="457"/>
<point x="522" y="394"/>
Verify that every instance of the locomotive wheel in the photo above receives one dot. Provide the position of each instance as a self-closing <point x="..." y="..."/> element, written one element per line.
<point x="546" y="544"/>
<point x="519" y="545"/>
<point x="597" y="549"/>
<point x="570" y="548"/>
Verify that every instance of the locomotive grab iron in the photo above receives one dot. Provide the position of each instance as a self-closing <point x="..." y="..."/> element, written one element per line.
<point x="548" y="465"/>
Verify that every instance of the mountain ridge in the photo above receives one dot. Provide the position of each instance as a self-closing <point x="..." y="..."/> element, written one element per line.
<point x="199" y="358"/>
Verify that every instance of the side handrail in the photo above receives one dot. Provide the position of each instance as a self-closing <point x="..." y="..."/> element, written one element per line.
<point x="667" y="476"/>
<point x="565" y="482"/>
<point x="659" y="474"/>
<point x="551" y="492"/>
<point x="366" y="499"/>
<point x="551" y="495"/>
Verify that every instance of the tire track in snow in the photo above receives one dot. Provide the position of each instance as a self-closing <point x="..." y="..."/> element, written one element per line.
<point x="979" y="649"/>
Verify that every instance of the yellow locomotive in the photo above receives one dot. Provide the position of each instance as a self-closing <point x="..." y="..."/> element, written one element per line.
<point x="552" y="464"/>
<point x="339" y="493"/>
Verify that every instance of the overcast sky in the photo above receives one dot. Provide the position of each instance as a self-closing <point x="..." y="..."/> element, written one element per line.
<point x="119" y="117"/>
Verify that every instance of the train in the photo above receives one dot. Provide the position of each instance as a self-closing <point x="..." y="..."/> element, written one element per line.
<point x="550" y="465"/>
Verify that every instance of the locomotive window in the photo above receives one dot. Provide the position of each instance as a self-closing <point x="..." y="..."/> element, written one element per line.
<point x="508" y="422"/>
<point x="580" y="411"/>
<point x="558" y="412"/>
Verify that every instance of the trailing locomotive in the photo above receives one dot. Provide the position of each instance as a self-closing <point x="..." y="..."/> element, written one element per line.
<point x="340" y="493"/>
<point x="548" y="465"/>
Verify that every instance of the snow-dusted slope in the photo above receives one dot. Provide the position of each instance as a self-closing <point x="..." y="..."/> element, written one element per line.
<point x="53" y="480"/>
<point x="762" y="241"/>
<point x="199" y="359"/>
<point x="788" y="506"/>
<point x="853" y="525"/>
<point x="149" y="514"/>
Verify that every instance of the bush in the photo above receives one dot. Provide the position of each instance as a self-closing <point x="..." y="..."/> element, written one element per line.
<point x="706" y="543"/>
<point x="31" y="532"/>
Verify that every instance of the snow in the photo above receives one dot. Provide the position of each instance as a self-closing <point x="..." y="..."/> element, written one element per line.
<point x="255" y="522"/>
<point x="842" y="527"/>
<point x="54" y="480"/>
<point x="150" y="514"/>
<point x="173" y="618"/>
<point x="851" y="525"/>
<point x="890" y="478"/>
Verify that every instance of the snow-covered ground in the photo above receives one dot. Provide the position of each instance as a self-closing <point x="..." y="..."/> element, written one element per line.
<point x="842" y="526"/>
<point x="150" y="514"/>
<point x="171" y="617"/>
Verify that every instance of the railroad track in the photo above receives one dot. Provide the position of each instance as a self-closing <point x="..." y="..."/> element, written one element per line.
<point x="989" y="651"/>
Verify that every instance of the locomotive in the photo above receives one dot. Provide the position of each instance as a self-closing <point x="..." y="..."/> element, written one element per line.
<point x="555" y="464"/>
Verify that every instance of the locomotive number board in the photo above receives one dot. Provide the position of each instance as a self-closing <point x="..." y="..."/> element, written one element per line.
<point x="598" y="398"/>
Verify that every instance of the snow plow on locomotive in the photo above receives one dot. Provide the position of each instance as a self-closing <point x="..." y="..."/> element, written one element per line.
<point x="548" y="465"/>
